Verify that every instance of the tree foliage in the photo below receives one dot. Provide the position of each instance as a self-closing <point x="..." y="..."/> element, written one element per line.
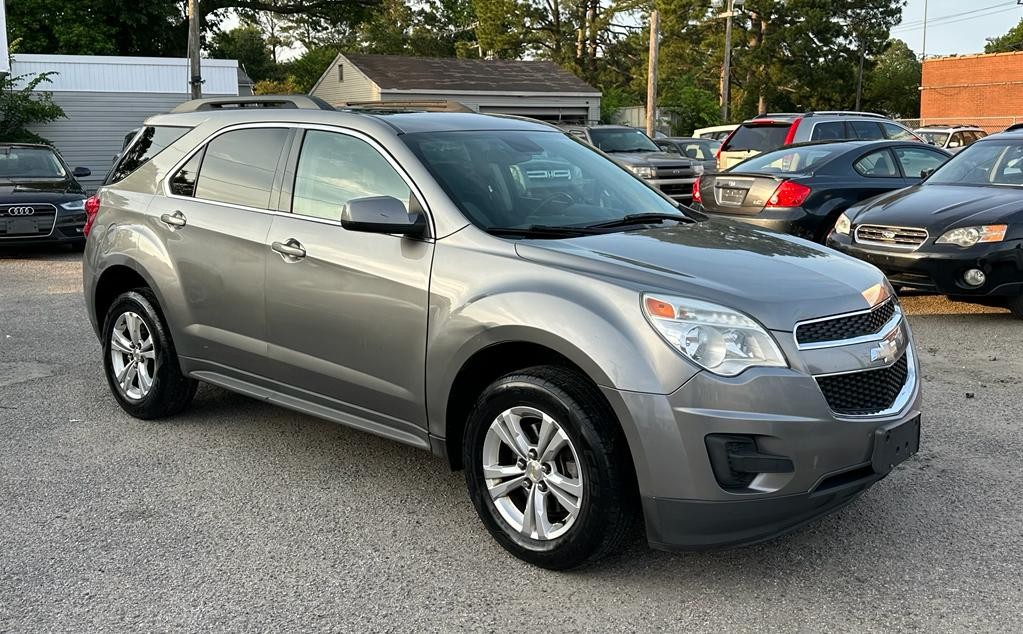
<point x="892" y="87"/>
<point x="1008" y="43"/>
<point x="248" y="45"/>
<point x="24" y="103"/>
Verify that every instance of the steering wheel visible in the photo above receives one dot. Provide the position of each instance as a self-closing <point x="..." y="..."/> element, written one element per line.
<point x="569" y="200"/>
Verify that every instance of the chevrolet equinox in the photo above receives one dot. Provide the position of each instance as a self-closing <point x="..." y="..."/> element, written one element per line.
<point x="494" y="291"/>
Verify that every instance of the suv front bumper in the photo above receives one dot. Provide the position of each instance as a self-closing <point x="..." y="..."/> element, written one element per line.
<point x="833" y="459"/>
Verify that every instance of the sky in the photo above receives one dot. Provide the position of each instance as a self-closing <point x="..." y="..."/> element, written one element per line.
<point x="957" y="27"/>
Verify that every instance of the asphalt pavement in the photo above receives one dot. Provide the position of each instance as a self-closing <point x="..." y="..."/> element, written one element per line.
<point x="241" y="516"/>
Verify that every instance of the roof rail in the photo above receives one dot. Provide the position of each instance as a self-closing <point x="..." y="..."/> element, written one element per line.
<point x="302" y="102"/>
<point x="408" y="105"/>
<point x="949" y="125"/>
<point x="844" y="113"/>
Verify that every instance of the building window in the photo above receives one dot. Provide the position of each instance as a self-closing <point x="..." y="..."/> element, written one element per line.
<point x="340" y="72"/>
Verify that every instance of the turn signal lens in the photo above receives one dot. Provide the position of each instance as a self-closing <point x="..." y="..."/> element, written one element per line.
<point x="657" y="308"/>
<point x="788" y="194"/>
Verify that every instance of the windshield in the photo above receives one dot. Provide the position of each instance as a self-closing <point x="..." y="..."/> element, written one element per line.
<point x="987" y="163"/>
<point x="622" y="140"/>
<point x="934" y="138"/>
<point x="788" y="160"/>
<point x="524" y="178"/>
<point x="757" y="137"/>
<point x="30" y="162"/>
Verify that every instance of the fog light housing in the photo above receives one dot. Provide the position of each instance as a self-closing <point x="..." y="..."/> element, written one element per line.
<point x="974" y="277"/>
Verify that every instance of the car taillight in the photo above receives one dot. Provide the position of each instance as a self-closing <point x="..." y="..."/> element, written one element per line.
<point x="788" y="194"/>
<point x="91" y="209"/>
<point x="697" y="198"/>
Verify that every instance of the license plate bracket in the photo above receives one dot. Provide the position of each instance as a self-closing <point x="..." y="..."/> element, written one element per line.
<point x="894" y="443"/>
<point x="21" y="226"/>
<point x="732" y="196"/>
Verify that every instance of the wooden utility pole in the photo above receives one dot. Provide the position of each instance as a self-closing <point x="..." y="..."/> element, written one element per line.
<point x="194" y="68"/>
<point x="726" y="70"/>
<point x="651" y="76"/>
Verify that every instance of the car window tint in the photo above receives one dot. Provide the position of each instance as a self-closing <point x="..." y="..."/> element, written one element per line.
<point x="897" y="132"/>
<point x="239" y="167"/>
<point x="829" y="131"/>
<point x="698" y="151"/>
<point x="183" y="181"/>
<point x="670" y="148"/>
<point x="877" y="164"/>
<point x="148" y="144"/>
<point x="917" y="160"/>
<point x="757" y="137"/>
<point x="335" y="168"/>
<point x="866" y="130"/>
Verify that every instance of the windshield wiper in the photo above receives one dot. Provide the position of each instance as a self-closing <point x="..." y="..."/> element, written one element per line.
<point x="546" y="231"/>
<point x="643" y="218"/>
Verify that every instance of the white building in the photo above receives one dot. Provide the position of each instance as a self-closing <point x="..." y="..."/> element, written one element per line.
<point x="104" y="98"/>
<point x="537" y="89"/>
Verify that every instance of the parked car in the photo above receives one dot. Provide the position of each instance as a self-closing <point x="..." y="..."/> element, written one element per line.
<point x="583" y="355"/>
<point x="41" y="200"/>
<point x="702" y="150"/>
<point x="950" y="137"/>
<point x="716" y="133"/>
<point x="771" y="131"/>
<point x="802" y="189"/>
<point x="634" y="150"/>
<point x="959" y="233"/>
<point x="1014" y="127"/>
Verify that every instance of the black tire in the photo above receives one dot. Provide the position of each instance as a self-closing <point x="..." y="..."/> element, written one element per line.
<point x="171" y="391"/>
<point x="1015" y="305"/>
<point x="608" y="505"/>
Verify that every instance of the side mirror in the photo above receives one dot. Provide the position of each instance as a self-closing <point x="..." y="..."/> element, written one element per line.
<point x="381" y="214"/>
<point x="927" y="172"/>
<point x="81" y="172"/>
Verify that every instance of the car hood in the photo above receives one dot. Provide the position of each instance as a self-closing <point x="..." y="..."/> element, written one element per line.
<point x="655" y="159"/>
<point x="38" y="190"/>
<point x="777" y="279"/>
<point x="938" y="207"/>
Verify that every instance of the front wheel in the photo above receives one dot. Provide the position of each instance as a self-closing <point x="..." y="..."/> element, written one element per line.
<point x="1015" y="305"/>
<point x="140" y="361"/>
<point x="548" y="470"/>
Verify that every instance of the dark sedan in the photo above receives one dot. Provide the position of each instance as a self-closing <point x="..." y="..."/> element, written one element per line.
<point x="41" y="200"/>
<point x="959" y="233"/>
<point x="803" y="189"/>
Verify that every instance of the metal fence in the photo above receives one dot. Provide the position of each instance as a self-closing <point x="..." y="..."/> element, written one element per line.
<point x="989" y="124"/>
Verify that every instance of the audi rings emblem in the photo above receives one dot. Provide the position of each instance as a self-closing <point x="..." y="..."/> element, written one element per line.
<point x="20" y="211"/>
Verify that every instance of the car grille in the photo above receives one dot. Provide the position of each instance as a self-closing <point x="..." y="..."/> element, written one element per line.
<point x="16" y="223"/>
<point x="847" y="327"/>
<point x="905" y="237"/>
<point x="677" y="190"/>
<point x="675" y="171"/>
<point x="867" y="392"/>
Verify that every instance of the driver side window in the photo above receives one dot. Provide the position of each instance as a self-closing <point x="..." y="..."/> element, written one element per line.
<point x="334" y="168"/>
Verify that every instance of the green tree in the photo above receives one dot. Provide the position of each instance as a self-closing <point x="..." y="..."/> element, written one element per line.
<point x="246" y="44"/>
<point x="1008" y="43"/>
<point x="304" y="71"/>
<point x="23" y="104"/>
<point x="893" y="84"/>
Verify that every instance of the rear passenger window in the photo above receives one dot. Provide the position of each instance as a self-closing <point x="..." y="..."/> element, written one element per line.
<point x="866" y="130"/>
<point x="183" y="182"/>
<point x="829" y="131"/>
<point x="239" y="167"/>
<point x="877" y="165"/>
<point x="149" y="143"/>
<point x="335" y="168"/>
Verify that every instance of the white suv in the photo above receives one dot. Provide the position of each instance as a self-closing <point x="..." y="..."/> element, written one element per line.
<point x="950" y="137"/>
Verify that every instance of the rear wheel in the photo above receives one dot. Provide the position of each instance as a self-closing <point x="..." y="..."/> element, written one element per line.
<point x="140" y="361"/>
<point x="547" y="468"/>
<point x="1015" y="305"/>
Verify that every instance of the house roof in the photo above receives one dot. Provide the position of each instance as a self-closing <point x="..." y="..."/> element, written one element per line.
<point x="442" y="74"/>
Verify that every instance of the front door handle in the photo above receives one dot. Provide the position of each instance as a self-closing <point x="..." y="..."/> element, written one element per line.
<point x="175" y="220"/>
<point x="291" y="249"/>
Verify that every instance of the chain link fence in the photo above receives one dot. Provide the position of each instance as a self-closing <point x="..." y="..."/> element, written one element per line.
<point x="988" y="124"/>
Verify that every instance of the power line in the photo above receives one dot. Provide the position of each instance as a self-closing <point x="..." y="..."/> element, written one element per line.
<point x="999" y="5"/>
<point x="955" y="18"/>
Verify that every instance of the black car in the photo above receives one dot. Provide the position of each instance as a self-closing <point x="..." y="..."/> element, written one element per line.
<point x="41" y="200"/>
<point x="703" y="150"/>
<point x="803" y="189"/>
<point x="959" y="233"/>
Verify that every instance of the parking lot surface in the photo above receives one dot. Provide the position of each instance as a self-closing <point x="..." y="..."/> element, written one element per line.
<point x="239" y="516"/>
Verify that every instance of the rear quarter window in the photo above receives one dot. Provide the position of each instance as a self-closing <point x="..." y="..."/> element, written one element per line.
<point x="151" y="141"/>
<point x="757" y="137"/>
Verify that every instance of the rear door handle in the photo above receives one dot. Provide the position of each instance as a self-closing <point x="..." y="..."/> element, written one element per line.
<point x="175" y="220"/>
<point x="290" y="249"/>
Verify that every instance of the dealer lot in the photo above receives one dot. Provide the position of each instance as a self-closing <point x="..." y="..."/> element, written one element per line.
<point x="239" y="515"/>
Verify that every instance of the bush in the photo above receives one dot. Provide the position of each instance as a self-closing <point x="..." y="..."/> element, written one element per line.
<point x="25" y="106"/>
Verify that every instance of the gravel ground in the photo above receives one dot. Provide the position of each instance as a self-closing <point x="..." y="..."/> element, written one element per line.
<point x="242" y="516"/>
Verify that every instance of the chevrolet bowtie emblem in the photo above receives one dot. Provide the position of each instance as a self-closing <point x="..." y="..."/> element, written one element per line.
<point x="887" y="351"/>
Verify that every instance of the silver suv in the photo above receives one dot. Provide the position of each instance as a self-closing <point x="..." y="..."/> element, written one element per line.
<point x="492" y="291"/>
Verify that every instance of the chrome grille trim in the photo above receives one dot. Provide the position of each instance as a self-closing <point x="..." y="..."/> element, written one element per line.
<point x="891" y="236"/>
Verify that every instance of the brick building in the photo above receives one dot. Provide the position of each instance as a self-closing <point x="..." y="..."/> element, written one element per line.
<point x="986" y="90"/>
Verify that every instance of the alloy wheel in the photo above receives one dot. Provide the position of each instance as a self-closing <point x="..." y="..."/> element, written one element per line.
<point x="133" y="355"/>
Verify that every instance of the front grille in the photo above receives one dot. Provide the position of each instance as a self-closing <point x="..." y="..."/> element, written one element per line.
<point x="867" y="392"/>
<point x="675" y="171"/>
<point x="848" y="327"/>
<point x="15" y="222"/>
<point x="677" y="190"/>
<point x="905" y="237"/>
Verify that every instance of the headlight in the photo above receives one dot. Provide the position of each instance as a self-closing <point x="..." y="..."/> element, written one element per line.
<point x="643" y="171"/>
<point x="716" y="338"/>
<point x="969" y="236"/>
<point x="843" y="225"/>
<point x="74" y="205"/>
